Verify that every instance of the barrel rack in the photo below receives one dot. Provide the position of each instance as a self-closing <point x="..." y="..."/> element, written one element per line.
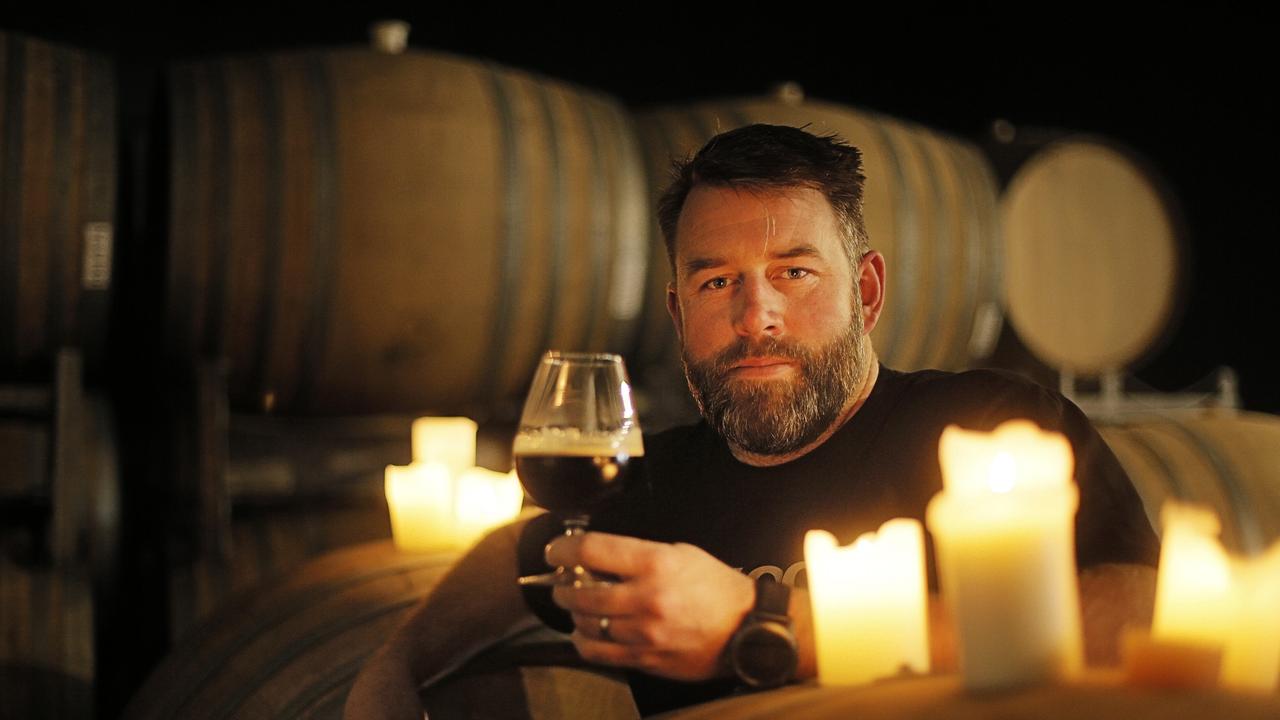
<point x="60" y="505"/>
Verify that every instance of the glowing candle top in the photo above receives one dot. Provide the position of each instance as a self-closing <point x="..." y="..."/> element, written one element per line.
<point x="1016" y="457"/>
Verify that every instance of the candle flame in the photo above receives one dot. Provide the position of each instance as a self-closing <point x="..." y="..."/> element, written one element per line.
<point x="1016" y="457"/>
<point x="1003" y="470"/>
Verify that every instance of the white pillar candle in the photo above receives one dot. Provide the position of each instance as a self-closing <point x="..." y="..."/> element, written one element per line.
<point x="1209" y="598"/>
<point x="484" y="499"/>
<point x="450" y="441"/>
<point x="1251" y="659"/>
<point x="1003" y="527"/>
<point x="1193" y="587"/>
<point x="868" y="600"/>
<point x="420" y="500"/>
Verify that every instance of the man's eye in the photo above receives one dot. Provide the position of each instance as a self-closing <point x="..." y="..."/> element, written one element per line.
<point x="795" y="273"/>
<point x="716" y="284"/>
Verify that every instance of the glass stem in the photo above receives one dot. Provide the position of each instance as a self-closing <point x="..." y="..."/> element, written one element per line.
<point x="578" y="575"/>
<point x="575" y="525"/>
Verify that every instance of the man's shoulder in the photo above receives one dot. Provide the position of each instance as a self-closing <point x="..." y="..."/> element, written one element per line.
<point x="978" y="397"/>
<point x="978" y="380"/>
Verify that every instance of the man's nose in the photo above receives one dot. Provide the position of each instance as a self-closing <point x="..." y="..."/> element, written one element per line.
<point x="759" y="309"/>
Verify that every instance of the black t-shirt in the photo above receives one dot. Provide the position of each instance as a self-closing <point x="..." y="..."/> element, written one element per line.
<point x="883" y="463"/>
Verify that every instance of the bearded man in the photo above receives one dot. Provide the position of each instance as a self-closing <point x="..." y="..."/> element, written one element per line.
<point x="775" y="291"/>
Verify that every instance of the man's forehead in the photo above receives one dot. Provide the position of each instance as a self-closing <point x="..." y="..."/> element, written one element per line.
<point x="714" y="214"/>
<point x="711" y="200"/>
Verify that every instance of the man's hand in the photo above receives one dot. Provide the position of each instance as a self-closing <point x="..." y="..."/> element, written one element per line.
<point x="671" y="612"/>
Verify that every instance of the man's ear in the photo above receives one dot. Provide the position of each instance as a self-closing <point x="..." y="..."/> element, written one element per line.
<point x="673" y="309"/>
<point x="871" y="289"/>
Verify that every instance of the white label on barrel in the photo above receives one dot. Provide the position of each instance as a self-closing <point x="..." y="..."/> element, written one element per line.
<point x="97" y="256"/>
<point x="986" y="330"/>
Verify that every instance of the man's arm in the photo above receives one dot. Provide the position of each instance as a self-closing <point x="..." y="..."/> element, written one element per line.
<point x="474" y="606"/>
<point x="675" y="607"/>
<point x="670" y="613"/>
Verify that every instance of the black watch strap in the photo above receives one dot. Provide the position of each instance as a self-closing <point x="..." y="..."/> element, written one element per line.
<point x="763" y="652"/>
<point x="772" y="598"/>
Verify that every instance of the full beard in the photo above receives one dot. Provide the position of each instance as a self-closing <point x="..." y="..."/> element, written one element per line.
<point x="778" y="417"/>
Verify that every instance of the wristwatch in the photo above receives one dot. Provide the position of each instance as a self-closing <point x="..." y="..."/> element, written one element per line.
<point x="763" y="651"/>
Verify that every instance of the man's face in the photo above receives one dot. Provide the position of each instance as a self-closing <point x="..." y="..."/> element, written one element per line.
<point x="764" y="304"/>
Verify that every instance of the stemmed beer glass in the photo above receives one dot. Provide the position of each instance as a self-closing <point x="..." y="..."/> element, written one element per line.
<point x="577" y="443"/>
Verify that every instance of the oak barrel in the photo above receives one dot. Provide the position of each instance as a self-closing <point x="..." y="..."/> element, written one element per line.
<point x="1226" y="460"/>
<point x="1093" y="251"/>
<point x="57" y="204"/>
<point x="930" y="208"/>
<point x="47" y="643"/>
<point x="1099" y="696"/>
<point x="267" y="543"/>
<point x="291" y="648"/>
<point x="360" y="232"/>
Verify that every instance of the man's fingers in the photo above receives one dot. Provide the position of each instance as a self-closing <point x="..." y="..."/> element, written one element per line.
<point x="613" y="598"/>
<point x="613" y="653"/>
<point x="618" y="629"/>
<point x="616" y="554"/>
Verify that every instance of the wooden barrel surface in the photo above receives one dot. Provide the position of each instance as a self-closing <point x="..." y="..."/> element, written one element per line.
<point x="929" y="205"/>
<point x="46" y="647"/>
<point x="57" y="203"/>
<point x="291" y="649"/>
<point x="1227" y="461"/>
<point x="360" y="232"/>
<point x="1092" y="255"/>
<point x="1099" y="697"/>
<point x="267" y="543"/>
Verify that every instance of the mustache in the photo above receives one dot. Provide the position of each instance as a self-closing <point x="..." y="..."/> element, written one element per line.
<point x="744" y="348"/>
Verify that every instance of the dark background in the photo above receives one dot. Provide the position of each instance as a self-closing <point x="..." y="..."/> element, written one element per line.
<point x="1192" y="92"/>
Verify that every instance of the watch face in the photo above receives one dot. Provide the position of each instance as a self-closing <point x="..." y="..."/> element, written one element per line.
<point x="764" y="654"/>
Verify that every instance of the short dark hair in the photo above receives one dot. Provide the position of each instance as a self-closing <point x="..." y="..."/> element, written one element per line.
<point x="773" y="157"/>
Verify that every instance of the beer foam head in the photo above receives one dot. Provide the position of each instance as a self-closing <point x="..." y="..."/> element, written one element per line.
<point x="570" y="441"/>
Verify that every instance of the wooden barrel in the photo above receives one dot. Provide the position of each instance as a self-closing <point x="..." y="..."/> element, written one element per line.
<point x="57" y="204"/>
<point x="267" y="543"/>
<point x="541" y="681"/>
<point x="1092" y="250"/>
<point x="1228" y="461"/>
<point x="47" y="643"/>
<point x="359" y="232"/>
<point x="930" y="208"/>
<point x="1099" y="696"/>
<point x="291" y="649"/>
<point x="59" y="524"/>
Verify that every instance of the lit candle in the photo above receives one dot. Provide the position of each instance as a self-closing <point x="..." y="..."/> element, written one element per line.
<point x="450" y="441"/>
<point x="485" y="499"/>
<point x="1251" y="659"/>
<point x="1207" y="598"/>
<point x="1193" y="588"/>
<point x="1004" y="531"/>
<point x="420" y="498"/>
<point x="868" y="599"/>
